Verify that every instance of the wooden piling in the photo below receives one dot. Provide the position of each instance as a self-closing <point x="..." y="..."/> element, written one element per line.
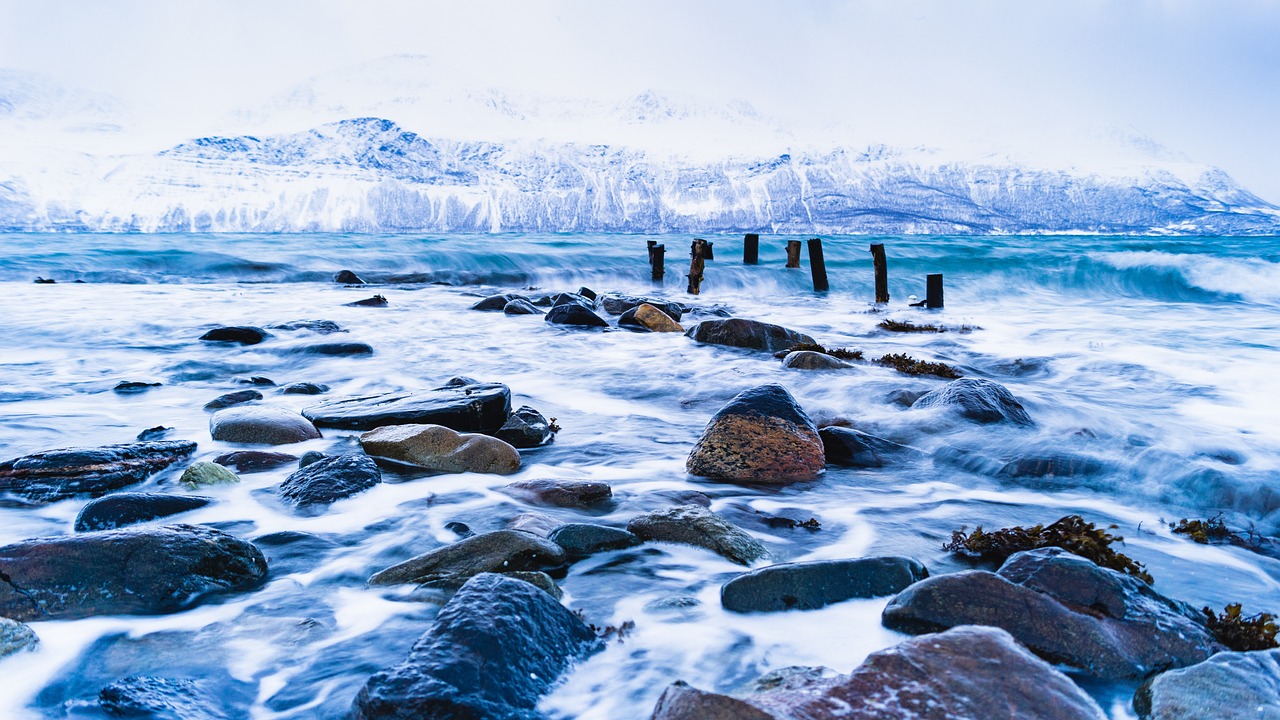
<point x="651" y="244"/>
<point x="707" y="253"/>
<point x="657" y="261"/>
<point x="817" y="265"/>
<point x="751" y="249"/>
<point x="793" y="253"/>
<point x="933" y="291"/>
<point x="696" y="265"/>
<point x="882" y="273"/>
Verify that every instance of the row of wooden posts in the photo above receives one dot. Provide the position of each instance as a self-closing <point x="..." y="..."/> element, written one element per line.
<point x="701" y="251"/>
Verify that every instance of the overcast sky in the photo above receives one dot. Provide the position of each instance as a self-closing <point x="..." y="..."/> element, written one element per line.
<point x="1202" y="78"/>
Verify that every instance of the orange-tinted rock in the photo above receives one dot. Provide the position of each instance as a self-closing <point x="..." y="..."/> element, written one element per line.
<point x="761" y="436"/>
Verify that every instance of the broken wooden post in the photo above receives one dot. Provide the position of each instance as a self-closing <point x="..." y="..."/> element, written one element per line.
<point x="933" y="291"/>
<point x="751" y="249"/>
<point x="793" y="253"/>
<point x="651" y="244"/>
<point x="882" y="273"/>
<point x="707" y="253"/>
<point x="657" y="261"/>
<point x="696" y="266"/>
<point x="817" y="265"/>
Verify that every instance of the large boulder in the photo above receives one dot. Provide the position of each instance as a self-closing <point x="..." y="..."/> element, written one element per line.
<point x="810" y="585"/>
<point x="1065" y="609"/>
<point x="978" y="400"/>
<point x="66" y="472"/>
<point x="146" y="571"/>
<point x="761" y="436"/>
<point x="491" y="552"/>
<point x="236" y="335"/>
<point x="526" y="428"/>
<point x="493" y="651"/>
<point x="122" y="509"/>
<point x="261" y="425"/>
<point x="572" y="313"/>
<point x="562" y="493"/>
<point x="698" y="526"/>
<point x="750" y="334"/>
<point x="854" y="448"/>
<point x="438" y="448"/>
<point x="16" y="637"/>
<point x="331" y="479"/>
<point x="465" y="407"/>
<point x="1227" y="686"/>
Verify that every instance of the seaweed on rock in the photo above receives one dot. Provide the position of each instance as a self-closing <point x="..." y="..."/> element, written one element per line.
<point x="908" y="327"/>
<point x="904" y="363"/>
<point x="1070" y="533"/>
<point x="1240" y="632"/>
<point x="1203" y="531"/>
<point x="840" y="353"/>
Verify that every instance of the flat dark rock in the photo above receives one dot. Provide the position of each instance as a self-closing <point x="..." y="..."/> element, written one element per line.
<point x="572" y="313"/>
<point x="340" y="349"/>
<point x="133" y="387"/>
<point x="122" y="509"/>
<point x="583" y="539"/>
<point x="811" y="585"/>
<point x="750" y="334"/>
<point x="482" y="407"/>
<point x="331" y="479"/>
<point x="251" y="461"/>
<point x="854" y="448"/>
<point x="239" y="397"/>
<point x="59" y="474"/>
<point x="137" y="571"/>
<point x="375" y="301"/>
<point x="978" y="400"/>
<point x="236" y="334"/>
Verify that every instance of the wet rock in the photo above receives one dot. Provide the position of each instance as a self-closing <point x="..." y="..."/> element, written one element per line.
<point x="66" y="472"/>
<point x="571" y="298"/>
<point x="261" y="425"/>
<point x="257" y="380"/>
<point x="133" y="387"/>
<point x="526" y="428"/>
<point x="538" y="579"/>
<point x="122" y="509"/>
<point x="331" y="479"/>
<point x="346" y="277"/>
<point x="497" y="302"/>
<point x="239" y="397"/>
<point x="562" y="493"/>
<point x="1227" y="686"/>
<point x="201" y="474"/>
<point x="16" y="637"/>
<point x="154" y="433"/>
<point x="587" y="293"/>
<point x="304" y="388"/>
<point x="810" y="360"/>
<point x="680" y="701"/>
<point x="536" y="523"/>
<point x="582" y="539"/>
<point x="436" y="447"/>
<point x="854" y="448"/>
<point x="236" y="334"/>
<point x="978" y="400"/>
<point x="810" y="585"/>
<point x="750" y="334"/>
<point x="460" y="529"/>
<point x="311" y="456"/>
<point x="761" y="436"/>
<point x="493" y="651"/>
<point x="904" y="397"/>
<point x="348" y="349"/>
<point x="375" y="301"/>
<point x="571" y="313"/>
<point x="143" y="571"/>
<point x="291" y="551"/>
<point x="471" y="407"/>
<point x="520" y="306"/>
<point x="698" y="526"/>
<point x="649" y="318"/>
<point x="452" y="565"/>
<point x="1052" y="465"/>
<point x="620" y="304"/>
<point x="159" y="698"/>
<point x="681" y="497"/>
<point x="252" y="461"/>
<point x="324" y="327"/>
<point x="1065" y="609"/>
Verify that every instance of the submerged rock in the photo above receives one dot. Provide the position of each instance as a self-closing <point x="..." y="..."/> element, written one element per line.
<point x="324" y="327"/>
<point x="582" y="539"/>
<point x="1227" y="686"/>
<point x="206" y="473"/>
<point x="520" y="306"/>
<point x="810" y="585"/>
<point x="133" y="387"/>
<point x="497" y="302"/>
<point x="452" y="565"/>
<point x="854" y="448"/>
<point x="147" y="571"/>
<point x="261" y="425"/>
<point x="236" y="334"/>
<point x="698" y="526"/>
<point x="122" y="509"/>
<point x="1052" y="465"/>
<point x="251" y="461"/>
<point x="978" y="400"/>
<point x="66" y="472"/>
<point x="346" y="277"/>
<point x="375" y="301"/>
<point x="493" y="651"/>
<point x="304" y="388"/>
<point x="561" y="493"/>
<point x="436" y="447"/>
<point x="467" y="407"/>
<point x="331" y="479"/>
<point x="154" y="433"/>
<point x="761" y="436"/>
<point x="239" y="397"/>
<point x="16" y="637"/>
<point x="348" y="349"/>
<point x="810" y="360"/>
<point x="572" y="313"/>
<point x="159" y="698"/>
<point x="526" y="428"/>
<point x="750" y="334"/>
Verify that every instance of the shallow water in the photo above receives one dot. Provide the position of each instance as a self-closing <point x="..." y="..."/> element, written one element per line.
<point x="1155" y="357"/>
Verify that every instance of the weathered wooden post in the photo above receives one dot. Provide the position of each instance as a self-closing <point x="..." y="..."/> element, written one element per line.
<point x="817" y="265"/>
<point x="707" y="252"/>
<point x="657" y="261"/>
<point x="751" y="249"/>
<point x="793" y="253"/>
<point x="696" y="265"/>
<point x="651" y="244"/>
<point x="882" y="273"/>
<point x="933" y="291"/>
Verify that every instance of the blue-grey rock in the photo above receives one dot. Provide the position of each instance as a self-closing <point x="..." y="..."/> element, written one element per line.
<point x="698" y="526"/>
<point x="261" y="425"/>
<point x="978" y="400"/>
<point x="66" y="472"/>
<point x="331" y="479"/>
<point x="452" y="565"/>
<point x="583" y="539"/>
<point x="160" y="698"/>
<point x="816" y="584"/>
<point x="526" y="428"/>
<point x="750" y="334"/>
<point x="122" y="509"/>
<point x="854" y="448"/>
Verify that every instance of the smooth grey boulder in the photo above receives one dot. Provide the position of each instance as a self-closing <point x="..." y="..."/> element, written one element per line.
<point x="331" y="479"/>
<point x="698" y="526"/>
<point x="123" y="509"/>
<point x="853" y="448"/>
<point x="55" y="475"/>
<point x="580" y="540"/>
<point x="452" y="565"/>
<point x="1227" y="686"/>
<point x="750" y="334"/>
<point x="261" y="425"/>
<point x="811" y="585"/>
<point x="526" y="428"/>
<point x="978" y="400"/>
<point x="466" y="407"/>
<point x="496" y="647"/>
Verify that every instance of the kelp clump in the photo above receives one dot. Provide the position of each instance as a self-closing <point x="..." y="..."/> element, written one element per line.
<point x="1213" y="530"/>
<point x="1240" y="632"/>
<point x="1070" y="533"/>
<point x="841" y="353"/>
<point x="909" y="327"/>
<point x="906" y="364"/>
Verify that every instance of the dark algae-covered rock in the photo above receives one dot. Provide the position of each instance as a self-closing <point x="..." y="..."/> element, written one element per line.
<point x="584" y="539"/>
<point x="59" y="474"/>
<point x="978" y="400"/>
<point x="1227" y="686"/>
<point x="143" y="571"/>
<point x="854" y="448"/>
<point x="261" y="425"/>
<point x="761" y="436"/>
<point x="498" y="646"/>
<point x="331" y="479"/>
<point x="236" y="335"/>
<point x="750" y="334"/>
<point x="526" y="428"/>
<point x="572" y="313"/>
<point x="469" y="407"/>
<point x="122" y="509"/>
<point x="452" y="565"/>
<point x="810" y="585"/>
<point x="698" y="526"/>
<point x="1071" y="533"/>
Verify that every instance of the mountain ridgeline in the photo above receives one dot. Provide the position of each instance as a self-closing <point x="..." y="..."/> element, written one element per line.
<point x="371" y="175"/>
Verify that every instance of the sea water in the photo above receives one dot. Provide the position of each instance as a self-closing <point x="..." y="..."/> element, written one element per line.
<point x="1152" y="357"/>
